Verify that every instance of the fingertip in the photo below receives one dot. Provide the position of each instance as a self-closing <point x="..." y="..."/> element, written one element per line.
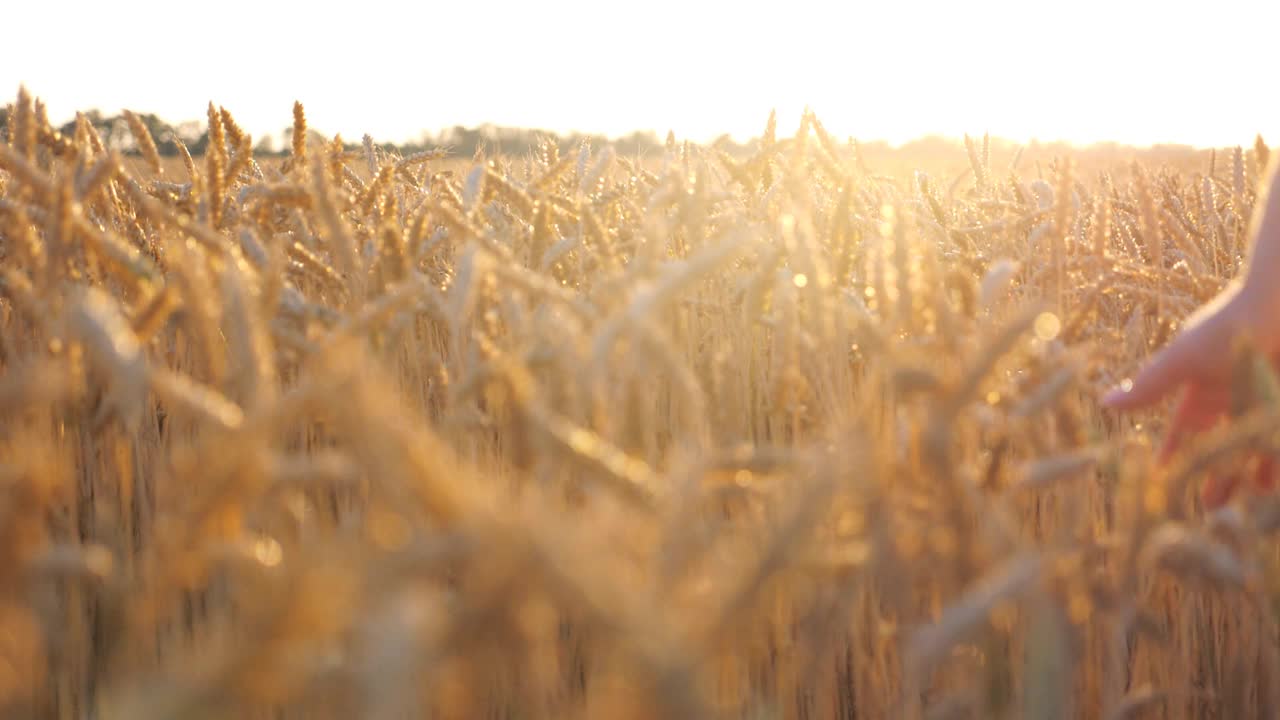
<point x="1163" y="373"/>
<point x="1115" y="397"/>
<point x="1128" y="395"/>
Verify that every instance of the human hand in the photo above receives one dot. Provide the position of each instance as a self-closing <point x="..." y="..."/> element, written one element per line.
<point x="1198" y="361"/>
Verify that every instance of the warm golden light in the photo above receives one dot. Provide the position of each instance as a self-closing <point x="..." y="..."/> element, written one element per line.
<point x="556" y="430"/>
<point x="1047" y="326"/>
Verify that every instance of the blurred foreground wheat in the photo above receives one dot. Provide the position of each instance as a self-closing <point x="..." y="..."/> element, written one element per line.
<point x="355" y="435"/>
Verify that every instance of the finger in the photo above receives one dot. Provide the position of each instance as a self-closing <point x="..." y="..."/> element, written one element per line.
<point x="1218" y="489"/>
<point x="1198" y="410"/>
<point x="1264" y="477"/>
<point x="1166" y="370"/>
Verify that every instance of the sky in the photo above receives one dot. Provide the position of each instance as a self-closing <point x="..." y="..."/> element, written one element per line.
<point x="1130" y="71"/>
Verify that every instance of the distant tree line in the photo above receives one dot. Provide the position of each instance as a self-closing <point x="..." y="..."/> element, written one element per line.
<point x="462" y="141"/>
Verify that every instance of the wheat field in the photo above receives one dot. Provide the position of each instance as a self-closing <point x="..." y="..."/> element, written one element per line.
<point x="347" y="434"/>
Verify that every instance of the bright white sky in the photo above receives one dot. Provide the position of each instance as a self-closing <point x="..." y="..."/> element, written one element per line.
<point x="1136" y="71"/>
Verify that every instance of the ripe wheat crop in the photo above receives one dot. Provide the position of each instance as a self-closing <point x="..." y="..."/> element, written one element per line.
<point x="580" y="435"/>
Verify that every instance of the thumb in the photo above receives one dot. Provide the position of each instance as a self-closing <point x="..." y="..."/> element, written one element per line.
<point x="1162" y="375"/>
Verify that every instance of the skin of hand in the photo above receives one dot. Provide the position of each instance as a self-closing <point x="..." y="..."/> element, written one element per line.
<point x="1197" y="362"/>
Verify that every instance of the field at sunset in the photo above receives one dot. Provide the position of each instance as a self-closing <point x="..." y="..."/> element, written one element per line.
<point x="798" y="428"/>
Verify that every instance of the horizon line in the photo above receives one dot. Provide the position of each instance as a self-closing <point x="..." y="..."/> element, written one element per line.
<point x="949" y="136"/>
